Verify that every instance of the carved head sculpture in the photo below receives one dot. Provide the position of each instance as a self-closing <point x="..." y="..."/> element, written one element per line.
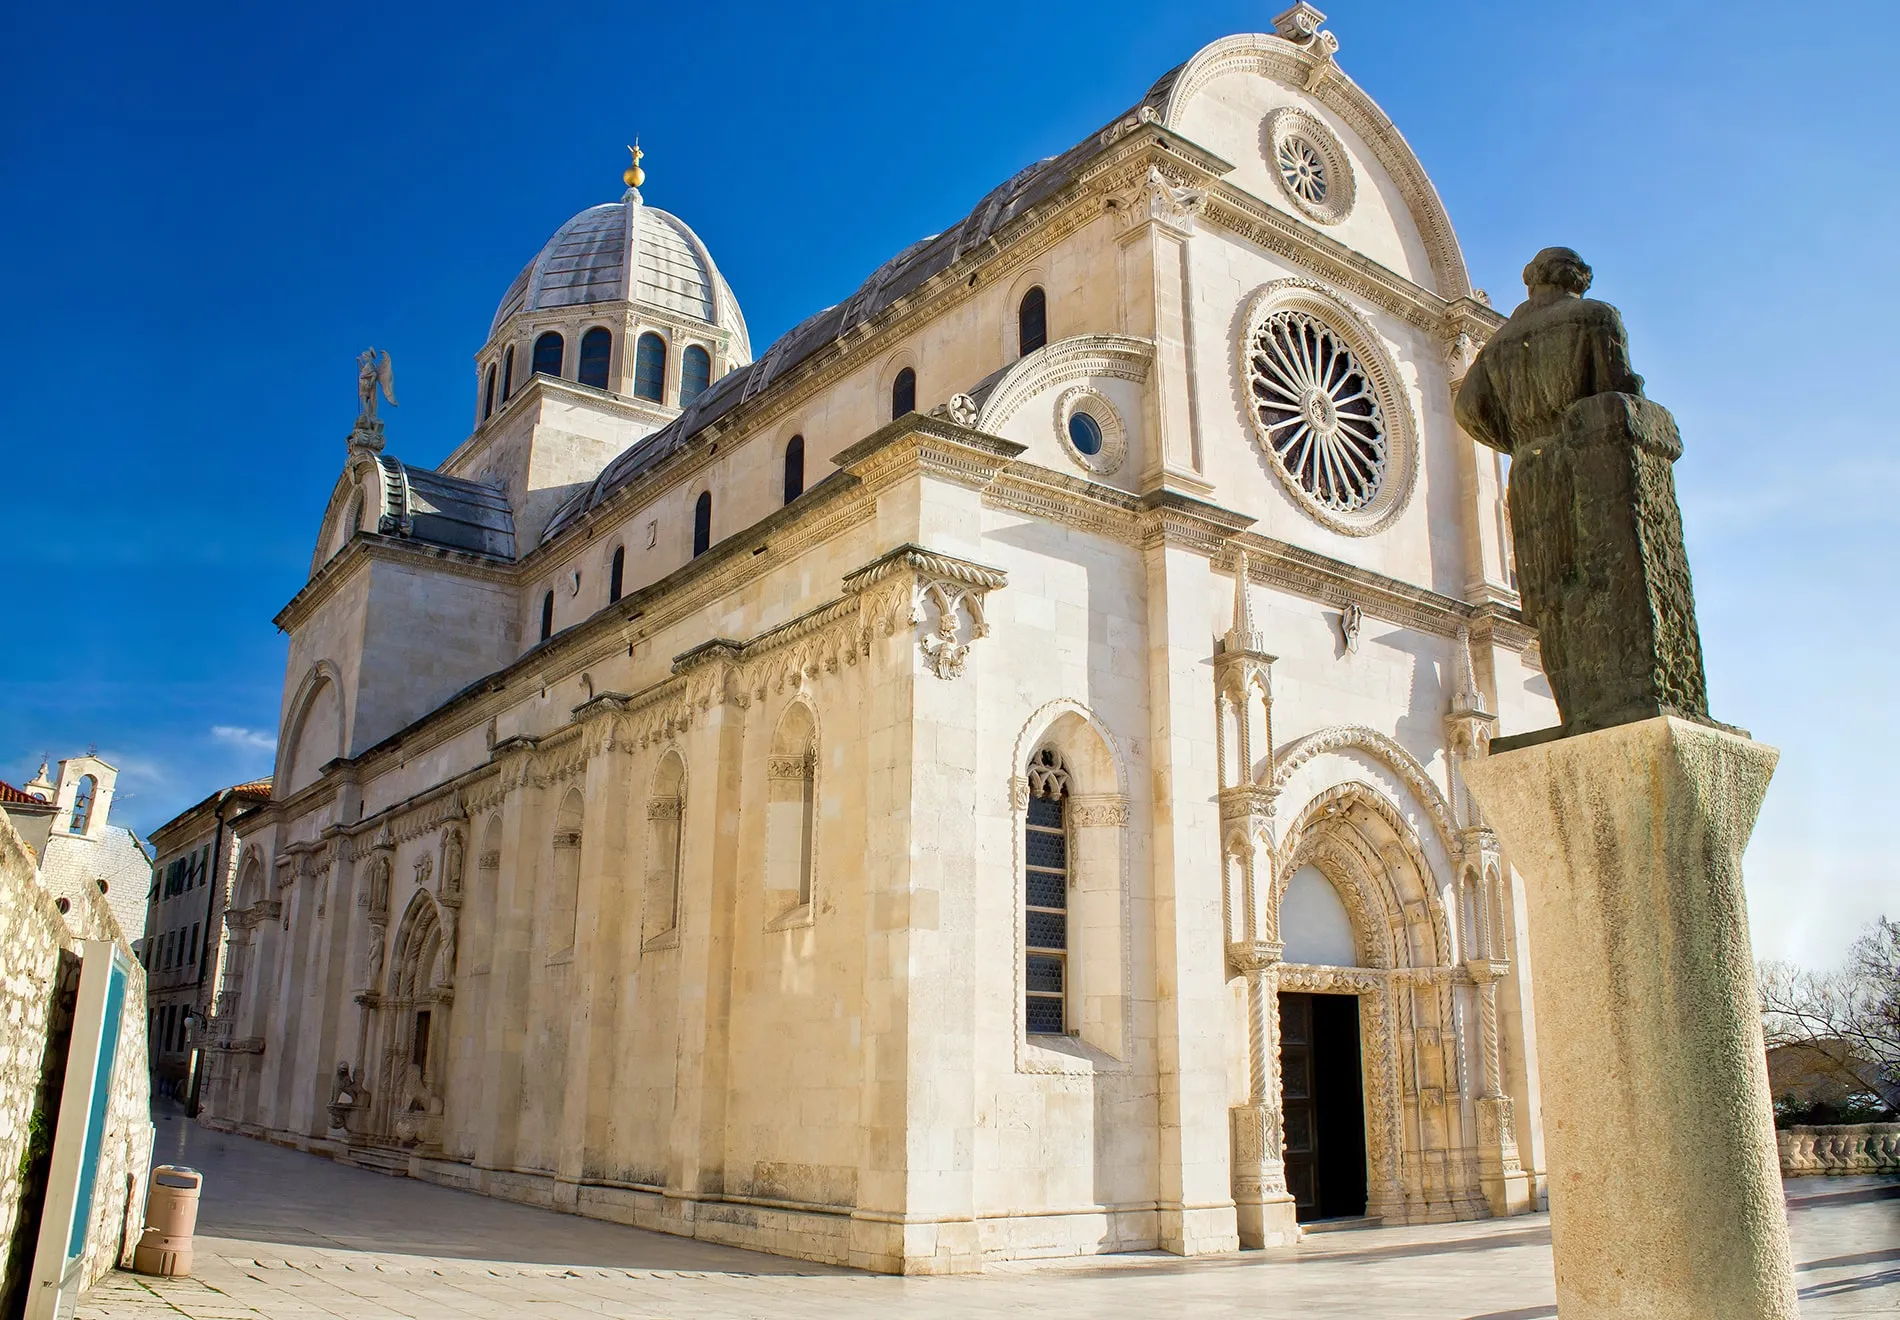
<point x="1558" y="268"/>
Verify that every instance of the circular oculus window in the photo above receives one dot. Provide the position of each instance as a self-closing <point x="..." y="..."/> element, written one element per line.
<point x="1091" y="429"/>
<point x="1310" y="164"/>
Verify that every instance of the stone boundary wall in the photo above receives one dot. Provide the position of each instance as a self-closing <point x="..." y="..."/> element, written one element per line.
<point x="34" y="932"/>
<point x="1842" y="1149"/>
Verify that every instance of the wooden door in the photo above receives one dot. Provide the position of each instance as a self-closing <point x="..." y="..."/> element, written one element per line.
<point x="1298" y="1116"/>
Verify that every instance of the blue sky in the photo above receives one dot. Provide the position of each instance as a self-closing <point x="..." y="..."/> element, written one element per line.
<point x="209" y="210"/>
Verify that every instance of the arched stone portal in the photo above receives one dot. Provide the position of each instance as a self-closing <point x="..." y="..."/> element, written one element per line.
<point x="1420" y="1165"/>
<point x="413" y="1023"/>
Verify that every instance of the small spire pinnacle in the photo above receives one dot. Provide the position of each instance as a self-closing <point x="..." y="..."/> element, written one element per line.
<point x="1466" y="699"/>
<point x="633" y="174"/>
<point x="1244" y="635"/>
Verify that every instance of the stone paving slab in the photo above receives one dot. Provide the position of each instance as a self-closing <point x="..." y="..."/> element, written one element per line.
<point x="286" y="1236"/>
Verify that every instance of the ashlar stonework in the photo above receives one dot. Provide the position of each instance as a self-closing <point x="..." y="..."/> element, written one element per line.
<point x="875" y="802"/>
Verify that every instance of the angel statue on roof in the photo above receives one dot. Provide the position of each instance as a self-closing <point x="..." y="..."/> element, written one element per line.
<point x="369" y="375"/>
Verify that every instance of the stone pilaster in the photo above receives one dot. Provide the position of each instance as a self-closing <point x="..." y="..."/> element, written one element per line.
<point x="1196" y="1160"/>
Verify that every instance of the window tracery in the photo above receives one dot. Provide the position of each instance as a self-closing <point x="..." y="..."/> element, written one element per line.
<point x="1046" y="896"/>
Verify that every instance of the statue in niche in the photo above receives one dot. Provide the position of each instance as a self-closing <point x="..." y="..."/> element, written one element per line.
<point x="452" y="864"/>
<point x="1594" y="520"/>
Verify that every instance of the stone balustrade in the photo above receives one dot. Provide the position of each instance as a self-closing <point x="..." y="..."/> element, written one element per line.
<point x="1843" y="1149"/>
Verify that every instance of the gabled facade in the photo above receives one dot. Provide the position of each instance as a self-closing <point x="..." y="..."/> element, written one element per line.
<point x="980" y="780"/>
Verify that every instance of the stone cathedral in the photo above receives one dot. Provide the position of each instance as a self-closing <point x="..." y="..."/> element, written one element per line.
<point x="979" y="778"/>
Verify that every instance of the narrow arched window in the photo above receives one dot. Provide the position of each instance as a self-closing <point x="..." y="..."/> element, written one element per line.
<point x="1046" y="897"/>
<point x="1032" y="321"/>
<point x="665" y="806"/>
<point x="702" y="523"/>
<point x="903" y="393"/>
<point x="82" y="804"/>
<point x="549" y="352"/>
<point x="695" y="373"/>
<point x="617" y="574"/>
<point x="488" y="394"/>
<point x="794" y="468"/>
<point x="507" y="373"/>
<point x="649" y="367"/>
<point x="597" y="351"/>
<point x="547" y="616"/>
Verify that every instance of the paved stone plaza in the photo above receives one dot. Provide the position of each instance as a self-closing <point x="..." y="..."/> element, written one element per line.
<point x="288" y="1235"/>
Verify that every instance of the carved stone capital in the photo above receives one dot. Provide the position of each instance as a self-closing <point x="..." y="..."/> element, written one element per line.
<point x="1093" y="809"/>
<point x="1246" y="956"/>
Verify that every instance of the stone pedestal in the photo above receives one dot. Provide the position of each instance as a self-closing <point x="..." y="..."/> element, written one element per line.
<point x="1665" y="1193"/>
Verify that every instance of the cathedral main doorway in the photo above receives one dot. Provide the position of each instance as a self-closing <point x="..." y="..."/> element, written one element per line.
<point x="1323" y="1105"/>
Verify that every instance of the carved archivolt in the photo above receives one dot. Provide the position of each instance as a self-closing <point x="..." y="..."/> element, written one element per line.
<point x="1347" y="737"/>
<point x="1121" y="357"/>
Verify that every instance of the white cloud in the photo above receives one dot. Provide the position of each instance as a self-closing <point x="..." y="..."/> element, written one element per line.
<point x="251" y="740"/>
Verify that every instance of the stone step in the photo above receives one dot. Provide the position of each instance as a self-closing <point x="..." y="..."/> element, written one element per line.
<point x="1343" y="1224"/>
<point x="379" y="1159"/>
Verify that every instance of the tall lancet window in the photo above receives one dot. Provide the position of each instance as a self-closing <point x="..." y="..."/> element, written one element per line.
<point x="507" y="372"/>
<point x="1046" y="897"/>
<point x="903" y="393"/>
<point x="794" y="468"/>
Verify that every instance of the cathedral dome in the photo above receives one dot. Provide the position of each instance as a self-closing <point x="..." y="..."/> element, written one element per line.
<point x="628" y="251"/>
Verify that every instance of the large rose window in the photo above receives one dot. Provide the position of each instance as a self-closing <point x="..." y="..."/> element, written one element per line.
<point x="1317" y="410"/>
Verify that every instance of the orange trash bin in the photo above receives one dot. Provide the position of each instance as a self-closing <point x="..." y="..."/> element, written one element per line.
<point x="171" y="1217"/>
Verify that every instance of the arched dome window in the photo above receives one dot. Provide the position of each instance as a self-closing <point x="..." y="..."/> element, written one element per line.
<point x="1032" y="321"/>
<point x="794" y="468"/>
<point x="702" y="523"/>
<point x="547" y="616"/>
<point x="903" y="393"/>
<point x="488" y="394"/>
<point x="507" y="373"/>
<point x="617" y="575"/>
<point x="597" y="350"/>
<point x="549" y="351"/>
<point x="82" y="804"/>
<point x="649" y="367"/>
<point x="695" y="373"/>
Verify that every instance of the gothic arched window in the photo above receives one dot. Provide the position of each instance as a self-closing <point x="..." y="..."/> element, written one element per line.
<point x="597" y="351"/>
<point x="82" y="804"/>
<point x="547" y="616"/>
<point x="794" y="468"/>
<point x="488" y="394"/>
<point x="617" y="574"/>
<point x="903" y="393"/>
<point x="702" y="523"/>
<point x="1032" y="321"/>
<point x="1046" y="897"/>
<point x="649" y="367"/>
<point x="507" y="373"/>
<point x="695" y="373"/>
<point x="550" y="351"/>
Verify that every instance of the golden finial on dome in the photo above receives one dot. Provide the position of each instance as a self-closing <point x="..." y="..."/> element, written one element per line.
<point x="634" y="175"/>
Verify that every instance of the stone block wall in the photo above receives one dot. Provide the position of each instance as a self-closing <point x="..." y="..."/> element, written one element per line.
<point x="36" y="931"/>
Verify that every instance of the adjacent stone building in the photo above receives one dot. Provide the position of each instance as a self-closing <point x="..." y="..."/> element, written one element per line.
<point x="977" y="779"/>
<point x="67" y="825"/>
<point x="183" y="949"/>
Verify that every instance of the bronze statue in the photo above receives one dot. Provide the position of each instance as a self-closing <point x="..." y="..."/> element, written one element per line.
<point x="1600" y="562"/>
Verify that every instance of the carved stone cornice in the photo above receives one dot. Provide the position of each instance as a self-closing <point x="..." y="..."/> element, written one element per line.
<point x="928" y="446"/>
<point x="1170" y="518"/>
